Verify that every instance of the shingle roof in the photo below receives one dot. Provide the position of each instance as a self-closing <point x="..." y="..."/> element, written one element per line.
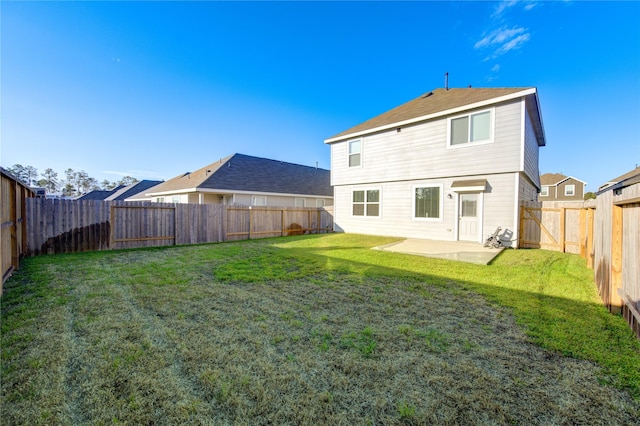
<point x="620" y="179"/>
<point x="98" y="194"/>
<point x="436" y="101"/>
<point x="240" y="172"/>
<point x="133" y="189"/>
<point x="552" y="178"/>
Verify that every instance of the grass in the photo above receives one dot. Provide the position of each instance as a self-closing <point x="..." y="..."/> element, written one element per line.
<point x="312" y="329"/>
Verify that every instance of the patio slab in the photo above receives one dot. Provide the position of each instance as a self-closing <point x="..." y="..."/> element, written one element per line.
<point x="451" y="250"/>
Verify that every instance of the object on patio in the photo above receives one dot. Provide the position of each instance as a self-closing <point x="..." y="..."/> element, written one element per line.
<point x="493" y="241"/>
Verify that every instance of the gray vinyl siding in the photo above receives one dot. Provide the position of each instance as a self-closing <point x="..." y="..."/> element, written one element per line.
<point x="421" y="152"/>
<point x="396" y="209"/>
<point x="531" y="152"/>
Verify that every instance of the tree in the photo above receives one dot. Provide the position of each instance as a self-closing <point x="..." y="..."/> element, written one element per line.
<point x="127" y="180"/>
<point x="108" y="185"/>
<point x="590" y="196"/>
<point x="49" y="181"/>
<point x="27" y="174"/>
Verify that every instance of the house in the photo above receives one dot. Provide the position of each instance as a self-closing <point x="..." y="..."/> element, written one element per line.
<point x="120" y="192"/>
<point x="99" y="194"/>
<point x="449" y="165"/>
<point x="245" y="180"/>
<point x="619" y="179"/>
<point x="558" y="187"/>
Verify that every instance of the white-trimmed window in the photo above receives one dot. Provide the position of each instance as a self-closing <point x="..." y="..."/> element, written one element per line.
<point x="160" y="200"/>
<point x="570" y="190"/>
<point x="366" y="202"/>
<point x="427" y="202"/>
<point x="471" y="128"/>
<point x="544" y="192"/>
<point x="320" y="202"/>
<point x="355" y="153"/>
<point x="259" y="200"/>
<point x="175" y="199"/>
<point x="299" y="202"/>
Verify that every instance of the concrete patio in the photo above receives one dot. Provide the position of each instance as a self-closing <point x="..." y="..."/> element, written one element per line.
<point x="452" y="250"/>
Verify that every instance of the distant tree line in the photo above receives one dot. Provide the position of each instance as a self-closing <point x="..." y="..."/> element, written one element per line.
<point x="76" y="182"/>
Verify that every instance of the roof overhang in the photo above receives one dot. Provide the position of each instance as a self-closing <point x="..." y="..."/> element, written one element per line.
<point x="456" y="110"/>
<point x="475" y="185"/>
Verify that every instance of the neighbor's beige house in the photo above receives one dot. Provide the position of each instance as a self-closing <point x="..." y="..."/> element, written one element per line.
<point x="248" y="181"/>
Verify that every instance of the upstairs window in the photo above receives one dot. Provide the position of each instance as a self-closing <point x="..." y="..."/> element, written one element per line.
<point x="355" y="152"/>
<point x="366" y="203"/>
<point x="544" y="192"/>
<point x="472" y="128"/>
<point x="570" y="190"/>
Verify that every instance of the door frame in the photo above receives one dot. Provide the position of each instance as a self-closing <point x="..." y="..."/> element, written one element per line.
<point x="479" y="211"/>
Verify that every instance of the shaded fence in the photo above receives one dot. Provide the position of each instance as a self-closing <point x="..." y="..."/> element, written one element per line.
<point x="13" y="241"/>
<point x="605" y="232"/>
<point x="67" y="226"/>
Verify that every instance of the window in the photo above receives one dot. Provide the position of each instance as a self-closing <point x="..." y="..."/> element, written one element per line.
<point x="299" y="202"/>
<point x="544" y="192"/>
<point x="160" y="200"/>
<point x="259" y="201"/>
<point x="355" y="150"/>
<point x="320" y="203"/>
<point x="366" y="203"/>
<point x="470" y="128"/>
<point x="570" y="190"/>
<point x="427" y="202"/>
<point x="175" y="199"/>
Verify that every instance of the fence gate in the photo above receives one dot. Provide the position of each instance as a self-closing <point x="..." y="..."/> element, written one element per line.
<point x="142" y="226"/>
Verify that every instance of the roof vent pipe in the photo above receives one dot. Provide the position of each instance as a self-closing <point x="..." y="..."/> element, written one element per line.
<point x="446" y="81"/>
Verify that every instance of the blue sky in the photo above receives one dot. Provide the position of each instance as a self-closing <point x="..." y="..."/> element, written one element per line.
<point x="155" y="89"/>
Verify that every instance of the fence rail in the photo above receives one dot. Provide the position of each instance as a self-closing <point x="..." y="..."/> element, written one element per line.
<point x="67" y="226"/>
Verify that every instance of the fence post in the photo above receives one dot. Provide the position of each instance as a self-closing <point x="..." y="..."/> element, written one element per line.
<point x="590" y="238"/>
<point x="563" y="218"/>
<point x="616" y="259"/>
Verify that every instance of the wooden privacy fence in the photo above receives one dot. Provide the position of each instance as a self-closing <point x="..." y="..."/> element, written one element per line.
<point x="67" y="226"/>
<point x="13" y="244"/>
<point x="558" y="226"/>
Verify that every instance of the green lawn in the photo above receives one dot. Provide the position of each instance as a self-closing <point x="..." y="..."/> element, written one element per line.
<point x="312" y="330"/>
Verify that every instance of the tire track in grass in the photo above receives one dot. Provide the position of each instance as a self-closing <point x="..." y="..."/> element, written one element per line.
<point x="75" y="345"/>
<point x="191" y="398"/>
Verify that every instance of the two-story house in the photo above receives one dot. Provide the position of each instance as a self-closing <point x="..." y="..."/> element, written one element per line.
<point x="449" y="165"/>
<point x="558" y="187"/>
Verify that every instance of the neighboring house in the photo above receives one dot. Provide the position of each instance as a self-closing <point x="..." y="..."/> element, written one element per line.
<point x="99" y="194"/>
<point x="449" y="165"/>
<point x="121" y="192"/>
<point x="126" y="192"/>
<point x="251" y="181"/>
<point x="558" y="187"/>
<point x="619" y="179"/>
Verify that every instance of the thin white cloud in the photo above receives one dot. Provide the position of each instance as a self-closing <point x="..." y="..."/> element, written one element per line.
<point x="514" y="43"/>
<point x="503" y="40"/>
<point x="496" y="68"/>
<point x="502" y="6"/>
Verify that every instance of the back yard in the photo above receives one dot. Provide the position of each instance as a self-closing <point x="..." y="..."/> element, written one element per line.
<point x="312" y="330"/>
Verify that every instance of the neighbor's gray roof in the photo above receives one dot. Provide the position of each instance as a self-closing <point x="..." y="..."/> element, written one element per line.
<point x="99" y="194"/>
<point x="240" y="172"/>
<point x="133" y="189"/>
<point x="440" y="100"/>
